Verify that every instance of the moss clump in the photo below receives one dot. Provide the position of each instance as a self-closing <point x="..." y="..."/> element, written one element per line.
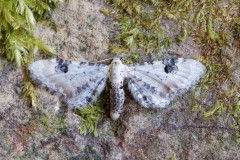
<point x="173" y="157"/>
<point x="16" y="29"/>
<point x="137" y="27"/>
<point x="28" y="90"/>
<point x="52" y="125"/>
<point x="91" y="116"/>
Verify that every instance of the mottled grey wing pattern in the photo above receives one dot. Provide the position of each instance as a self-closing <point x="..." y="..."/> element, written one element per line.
<point x="155" y="84"/>
<point x="79" y="83"/>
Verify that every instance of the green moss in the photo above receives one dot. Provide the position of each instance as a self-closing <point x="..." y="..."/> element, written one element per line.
<point x="173" y="157"/>
<point x="91" y="116"/>
<point x="133" y="57"/>
<point x="16" y="29"/>
<point x="52" y="125"/>
<point x="138" y="27"/>
<point x="29" y="91"/>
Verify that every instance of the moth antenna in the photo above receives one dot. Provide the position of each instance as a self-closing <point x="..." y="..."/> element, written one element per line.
<point x="105" y="60"/>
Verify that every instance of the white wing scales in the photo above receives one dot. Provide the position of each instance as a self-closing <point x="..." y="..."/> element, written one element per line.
<point x="155" y="84"/>
<point x="79" y="83"/>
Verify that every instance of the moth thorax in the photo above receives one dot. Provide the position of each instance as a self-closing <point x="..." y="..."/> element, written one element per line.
<point x="117" y="72"/>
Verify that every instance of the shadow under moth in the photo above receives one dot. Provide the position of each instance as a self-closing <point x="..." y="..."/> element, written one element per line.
<point x="153" y="84"/>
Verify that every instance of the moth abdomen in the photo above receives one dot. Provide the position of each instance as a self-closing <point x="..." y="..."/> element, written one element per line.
<point x="116" y="102"/>
<point x="116" y="78"/>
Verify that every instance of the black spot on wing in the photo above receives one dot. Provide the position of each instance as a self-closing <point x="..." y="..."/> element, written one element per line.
<point x="170" y="68"/>
<point x="62" y="66"/>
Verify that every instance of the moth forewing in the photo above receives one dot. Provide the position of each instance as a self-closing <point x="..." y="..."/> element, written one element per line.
<point x="155" y="84"/>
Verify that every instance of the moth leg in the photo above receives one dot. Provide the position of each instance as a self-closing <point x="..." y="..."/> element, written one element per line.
<point x="105" y="60"/>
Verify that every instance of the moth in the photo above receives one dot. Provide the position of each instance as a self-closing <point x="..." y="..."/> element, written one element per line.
<point x="153" y="84"/>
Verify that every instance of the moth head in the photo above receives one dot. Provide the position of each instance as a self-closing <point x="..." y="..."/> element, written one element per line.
<point x="117" y="60"/>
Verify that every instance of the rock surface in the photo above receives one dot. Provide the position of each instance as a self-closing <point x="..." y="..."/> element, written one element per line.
<point x="83" y="34"/>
